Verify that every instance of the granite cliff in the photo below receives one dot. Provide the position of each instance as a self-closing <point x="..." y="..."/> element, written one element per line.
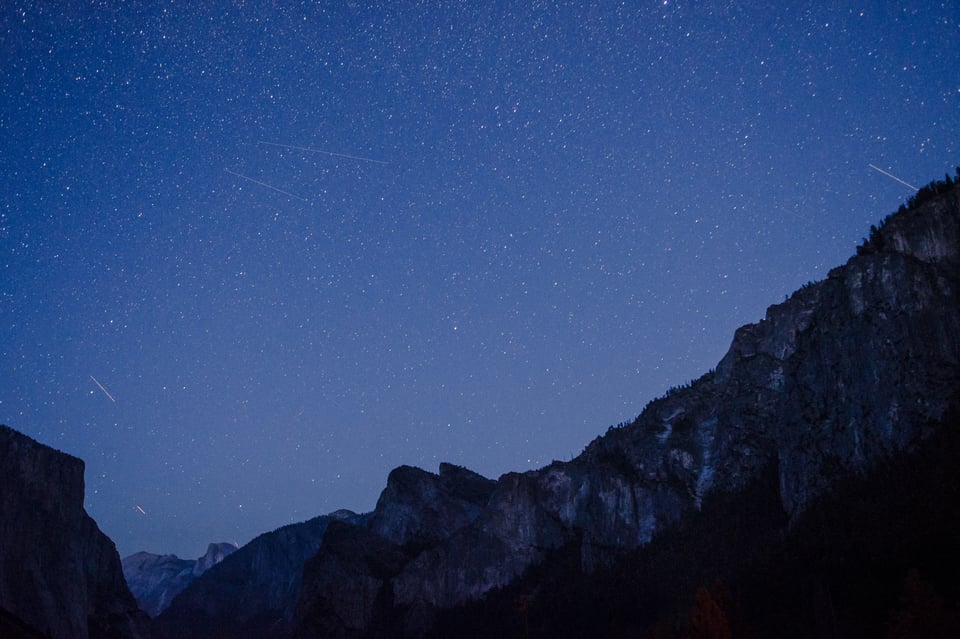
<point x="59" y="575"/>
<point x="845" y="375"/>
<point x="348" y="584"/>
<point x="155" y="580"/>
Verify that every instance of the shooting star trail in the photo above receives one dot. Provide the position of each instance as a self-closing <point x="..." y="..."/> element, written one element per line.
<point x="339" y="155"/>
<point x="273" y="188"/>
<point x="142" y="511"/>
<point x="893" y="177"/>
<point x="105" y="391"/>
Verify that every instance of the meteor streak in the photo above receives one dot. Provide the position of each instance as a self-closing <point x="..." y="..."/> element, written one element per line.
<point x="105" y="391"/>
<point x="339" y="155"/>
<point x="142" y="511"/>
<point x="273" y="188"/>
<point x="892" y="176"/>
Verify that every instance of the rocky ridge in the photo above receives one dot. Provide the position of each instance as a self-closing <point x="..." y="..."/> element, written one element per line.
<point x="844" y="374"/>
<point x="348" y="585"/>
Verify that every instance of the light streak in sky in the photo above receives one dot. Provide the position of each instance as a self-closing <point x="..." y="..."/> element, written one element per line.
<point x="142" y="511"/>
<point x="892" y="176"/>
<point x="339" y="155"/>
<point x="250" y="179"/>
<point x="105" y="391"/>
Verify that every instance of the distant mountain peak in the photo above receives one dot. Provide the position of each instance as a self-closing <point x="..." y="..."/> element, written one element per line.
<point x="156" y="579"/>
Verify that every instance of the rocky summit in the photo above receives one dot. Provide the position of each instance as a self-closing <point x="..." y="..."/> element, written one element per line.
<point x="349" y="583"/>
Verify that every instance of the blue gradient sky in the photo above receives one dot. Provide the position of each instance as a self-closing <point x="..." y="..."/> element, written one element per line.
<point x="552" y="214"/>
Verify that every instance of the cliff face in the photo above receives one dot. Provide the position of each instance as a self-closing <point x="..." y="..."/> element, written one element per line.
<point x="845" y="374"/>
<point x="348" y="585"/>
<point x="58" y="573"/>
<point x="254" y="591"/>
<point x="155" y="580"/>
<point x="418" y="507"/>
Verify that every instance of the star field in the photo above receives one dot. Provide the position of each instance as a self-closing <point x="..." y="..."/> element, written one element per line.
<point x="252" y="258"/>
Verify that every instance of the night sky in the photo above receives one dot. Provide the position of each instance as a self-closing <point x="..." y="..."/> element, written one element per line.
<point x="252" y="258"/>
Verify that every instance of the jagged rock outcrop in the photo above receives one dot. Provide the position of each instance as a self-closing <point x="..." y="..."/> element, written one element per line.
<point x="155" y="580"/>
<point x="418" y="507"/>
<point x="254" y="591"/>
<point x="347" y="586"/>
<point x="841" y="376"/>
<point x="59" y="575"/>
